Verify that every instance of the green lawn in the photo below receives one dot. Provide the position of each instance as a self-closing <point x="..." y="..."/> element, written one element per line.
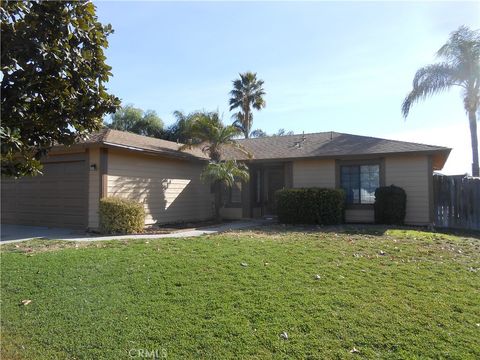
<point x="389" y="294"/>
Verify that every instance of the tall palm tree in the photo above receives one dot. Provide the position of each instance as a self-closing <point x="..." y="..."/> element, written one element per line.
<point x="209" y="133"/>
<point x="460" y="67"/>
<point x="247" y="93"/>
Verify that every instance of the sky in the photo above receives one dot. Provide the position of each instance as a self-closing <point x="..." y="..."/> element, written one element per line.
<point x="327" y="66"/>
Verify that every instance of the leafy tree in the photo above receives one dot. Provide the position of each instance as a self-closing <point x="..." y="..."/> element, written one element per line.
<point x="283" y="132"/>
<point x="209" y="133"/>
<point x="258" y="133"/>
<point x="460" y="67"/>
<point x="129" y="118"/>
<point x="53" y="76"/>
<point x="247" y="93"/>
<point x="180" y="130"/>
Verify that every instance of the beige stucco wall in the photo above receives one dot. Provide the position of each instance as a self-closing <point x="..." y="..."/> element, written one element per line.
<point x="412" y="173"/>
<point x="359" y="216"/>
<point x="93" y="188"/>
<point x="170" y="189"/>
<point x="314" y="173"/>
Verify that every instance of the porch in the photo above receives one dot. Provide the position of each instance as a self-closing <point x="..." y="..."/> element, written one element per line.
<point x="256" y="198"/>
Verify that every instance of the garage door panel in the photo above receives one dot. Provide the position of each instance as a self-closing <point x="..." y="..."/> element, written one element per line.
<point x="56" y="198"/>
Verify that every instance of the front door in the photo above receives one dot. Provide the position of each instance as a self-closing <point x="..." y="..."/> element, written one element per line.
<point x="274" y="180"/>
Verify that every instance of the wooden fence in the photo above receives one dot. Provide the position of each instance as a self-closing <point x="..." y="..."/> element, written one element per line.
<point x="456" y="202"/>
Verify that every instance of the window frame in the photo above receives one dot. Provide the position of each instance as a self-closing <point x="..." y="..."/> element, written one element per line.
<point x="360" y="162"/>
<point x="227" y="192"/>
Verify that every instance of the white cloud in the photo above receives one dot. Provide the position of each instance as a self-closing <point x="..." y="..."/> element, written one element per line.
<point x="455" y="136"/>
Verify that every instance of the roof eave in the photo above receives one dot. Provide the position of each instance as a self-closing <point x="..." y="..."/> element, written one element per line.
<point x="444" y="152"/>
<point x="170" y="154"/>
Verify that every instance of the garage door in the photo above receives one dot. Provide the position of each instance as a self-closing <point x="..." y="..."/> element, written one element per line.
<point x="56" y="199"/>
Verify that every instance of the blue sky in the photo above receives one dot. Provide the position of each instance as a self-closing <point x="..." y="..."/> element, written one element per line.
<point x="342" y="66"/>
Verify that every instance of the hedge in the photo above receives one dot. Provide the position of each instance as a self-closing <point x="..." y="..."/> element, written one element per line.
<point x="390" y="205"/>
<point x="121" y="216"/>
<point x="310" y="206"/>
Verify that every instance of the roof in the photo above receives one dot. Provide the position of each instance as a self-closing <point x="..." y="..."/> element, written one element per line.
<point x="301" y="146"/>
<point x="328" y="145"/>
<point x="127" y="140"/>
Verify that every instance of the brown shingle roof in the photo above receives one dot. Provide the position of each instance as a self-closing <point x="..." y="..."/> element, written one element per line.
<point x="325" y="144"/>
<point x="132" y="141"/>
<point x="314" y="145"/>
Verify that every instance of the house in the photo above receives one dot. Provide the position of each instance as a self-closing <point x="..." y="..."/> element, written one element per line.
<point x="167" y="180"/>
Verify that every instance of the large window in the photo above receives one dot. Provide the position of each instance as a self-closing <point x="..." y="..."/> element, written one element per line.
<point x="360" y="183"/>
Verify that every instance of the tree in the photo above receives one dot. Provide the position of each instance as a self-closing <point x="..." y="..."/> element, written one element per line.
<point x="180" y="130"/>
<point x="247" y="93"/>
<point x="283" y="132"/>
<point x="53" y="76"/>
<point x="209" y="133"/>
<point x="129" y="118"/>
<point x="258" y="133"/>
<point x="460" y="67"/>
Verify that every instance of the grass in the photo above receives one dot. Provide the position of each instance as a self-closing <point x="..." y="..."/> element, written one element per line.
<point x="387" y="293"/>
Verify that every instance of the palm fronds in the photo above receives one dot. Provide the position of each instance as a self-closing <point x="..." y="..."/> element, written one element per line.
<point x="460" y="67"/>
<point x="430" y="80"/>
<point x="247" y="93"/>
<point x="225" y="172"/>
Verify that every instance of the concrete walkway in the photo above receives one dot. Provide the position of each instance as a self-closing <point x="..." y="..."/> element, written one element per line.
<point x="17" y="233"/>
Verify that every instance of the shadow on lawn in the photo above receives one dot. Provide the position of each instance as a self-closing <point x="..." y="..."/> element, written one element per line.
<point x="363" y="229"/>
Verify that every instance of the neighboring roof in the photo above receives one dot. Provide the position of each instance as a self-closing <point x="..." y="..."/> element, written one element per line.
<point x="328" y="145"/>
<point x="123" y="139"/>
<point x="315" y="145"/>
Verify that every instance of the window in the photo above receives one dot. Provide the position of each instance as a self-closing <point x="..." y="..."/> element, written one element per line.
<point x="233" y="195"/>
<point x="360" y="183"/>
<point x="236" y="193"/>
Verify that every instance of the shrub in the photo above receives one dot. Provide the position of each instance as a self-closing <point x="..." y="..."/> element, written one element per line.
<point x="390" y="205"/>
<point x="310" y="206"/>
<point x="119" y="215"/>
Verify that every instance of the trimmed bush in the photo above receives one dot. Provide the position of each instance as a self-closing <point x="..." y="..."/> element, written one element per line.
<point x="390" y="205"/>
<point x="121" y="216"/>
<point x="310" y="206"/>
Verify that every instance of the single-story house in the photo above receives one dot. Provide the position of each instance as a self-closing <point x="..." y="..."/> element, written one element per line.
<point x="167" y="179"/>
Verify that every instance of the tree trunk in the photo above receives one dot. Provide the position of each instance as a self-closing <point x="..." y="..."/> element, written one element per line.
<point x="246" y="128"/>
<point x="472" y="118"/>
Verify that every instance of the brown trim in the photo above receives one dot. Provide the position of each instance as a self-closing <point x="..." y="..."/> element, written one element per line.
<point x="166" y="154"/>
<point x="445" y="152"/>
<point x="288" y="175"/>
<point x="103" y="172"/>
<point x="57" y="158"/>
<point x="87" y="197"/>
<point x="373" y="161"/>
<point x="430" y="190"/>
<point x="246" y="198"/>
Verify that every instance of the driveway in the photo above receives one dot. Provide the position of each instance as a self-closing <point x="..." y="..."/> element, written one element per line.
<point x="22" y="232"/>
<point x="14" y="233"/>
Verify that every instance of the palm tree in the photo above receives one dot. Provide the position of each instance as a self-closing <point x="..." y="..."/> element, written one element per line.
<point x="247" y="93"/>
<point x="460" y="67"/>
<point x="224" y="173"/>
<point x="209" y="133"/>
